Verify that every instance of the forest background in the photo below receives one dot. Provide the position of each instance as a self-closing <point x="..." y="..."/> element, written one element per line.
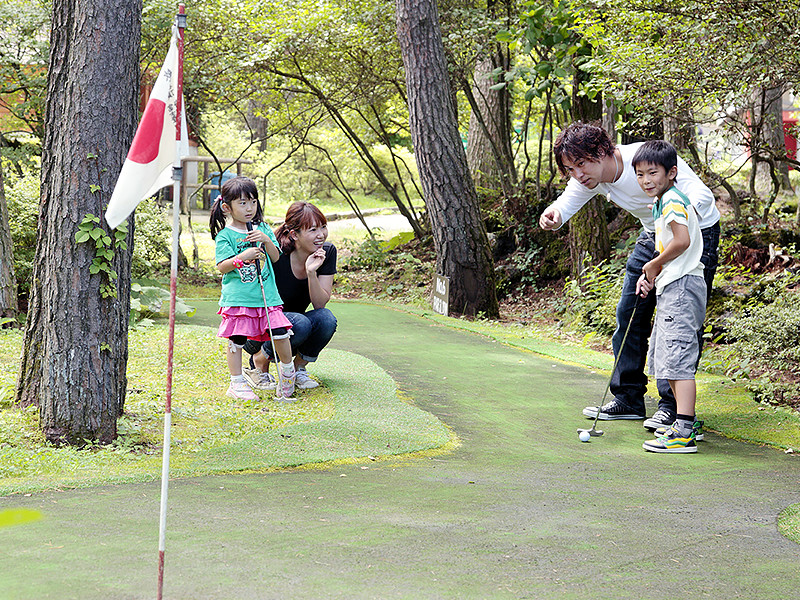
<point x="314" y="95"/>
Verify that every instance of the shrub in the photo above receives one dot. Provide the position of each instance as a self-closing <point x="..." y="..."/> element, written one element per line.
<point x="22" y="197"/>
<point x="369" y="254"/>
<point x="592" y="301"/>
<point x="151" y="243"/>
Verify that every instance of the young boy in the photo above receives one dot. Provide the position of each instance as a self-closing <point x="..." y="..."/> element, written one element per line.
<point x="677" y="275"/>
<point x="594" y="164"/>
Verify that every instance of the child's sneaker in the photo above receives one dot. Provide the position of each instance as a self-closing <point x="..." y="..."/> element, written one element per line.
<point x="239" y="390"/>
<point x="302" y="381"/>
<point x="697" y="427"/>
<point x="259" y="380"/>
<point x="672" y="442"/>
<point x="287" y="383"/>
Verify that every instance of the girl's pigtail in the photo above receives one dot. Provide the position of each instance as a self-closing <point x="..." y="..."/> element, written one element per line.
<point x="216" y="221"/>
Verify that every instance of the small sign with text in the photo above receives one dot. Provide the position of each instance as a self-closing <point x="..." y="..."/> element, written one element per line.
<point x="441" y="294"/>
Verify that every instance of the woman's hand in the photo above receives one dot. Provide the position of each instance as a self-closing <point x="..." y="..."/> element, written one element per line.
<point x="315" y="260"/>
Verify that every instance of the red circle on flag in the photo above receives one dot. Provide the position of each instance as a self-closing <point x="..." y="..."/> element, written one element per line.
<point x="148" y="136"/>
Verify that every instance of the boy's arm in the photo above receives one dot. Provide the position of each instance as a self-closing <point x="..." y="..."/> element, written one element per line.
<point x="677" y="246"/>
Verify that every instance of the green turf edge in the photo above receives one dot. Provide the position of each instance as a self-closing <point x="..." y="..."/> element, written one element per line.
<point x="371" y="422"/>
<point x="726" y="406"/>
<point x="789" y="523"/>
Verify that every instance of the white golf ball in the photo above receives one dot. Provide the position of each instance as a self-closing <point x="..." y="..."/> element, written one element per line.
<point x="584" y="436"/>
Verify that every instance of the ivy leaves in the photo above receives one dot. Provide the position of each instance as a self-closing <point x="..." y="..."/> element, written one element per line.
<point x="90" y="231"/>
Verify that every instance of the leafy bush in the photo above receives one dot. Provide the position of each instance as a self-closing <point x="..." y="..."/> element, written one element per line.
<point x="592" y="301"/>
<point x="152" y="301"/>
<point x="151" y="243"/>
<point x="369" y="254"/>
<point x="22" y="197"/>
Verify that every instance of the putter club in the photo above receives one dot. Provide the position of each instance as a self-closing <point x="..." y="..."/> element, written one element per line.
<point x="594" y="432"/>
<point x="279" y="387"/>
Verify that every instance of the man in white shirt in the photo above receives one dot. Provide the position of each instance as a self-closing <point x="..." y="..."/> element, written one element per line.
<point x="595" y="165"/>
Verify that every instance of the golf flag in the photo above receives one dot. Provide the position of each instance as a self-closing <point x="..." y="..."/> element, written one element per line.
<point x="148" y="167"/>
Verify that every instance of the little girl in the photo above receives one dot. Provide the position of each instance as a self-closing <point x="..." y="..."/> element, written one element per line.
<point x="241" y="302"/>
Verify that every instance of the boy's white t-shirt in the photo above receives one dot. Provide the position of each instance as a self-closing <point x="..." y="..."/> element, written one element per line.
<point x="628" y="195"/>
<point x="674" y="206"/>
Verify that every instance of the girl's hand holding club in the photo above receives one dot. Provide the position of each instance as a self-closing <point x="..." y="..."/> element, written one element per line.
<point x="251" y="254"/>
<point x="256" y="236"/>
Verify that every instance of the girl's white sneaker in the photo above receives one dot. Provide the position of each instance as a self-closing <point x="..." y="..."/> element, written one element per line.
<point x="240" y="391"/>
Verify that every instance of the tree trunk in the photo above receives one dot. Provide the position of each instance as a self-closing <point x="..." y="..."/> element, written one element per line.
<point x="489" y="153"/>
<point x="8" y="281"/>
<point x="588" y="229"/>
<point x="459" y="234"/>
<point x="610" y="117"/>
<point x="769" y="116"/>
<point x="589" y="242"/>
<point x="76" y="346"/>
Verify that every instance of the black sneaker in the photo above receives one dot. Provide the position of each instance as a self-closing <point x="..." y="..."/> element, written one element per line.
<point x="661" y="418"/>
<point x="614" y="410"/>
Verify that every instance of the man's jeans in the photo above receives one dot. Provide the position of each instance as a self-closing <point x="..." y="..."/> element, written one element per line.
<point x="311" y="332"/>
<point x="629" y="381"/>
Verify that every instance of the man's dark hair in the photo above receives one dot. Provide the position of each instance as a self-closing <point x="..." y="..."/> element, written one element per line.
<point x="656" y="152"/>
<point x="582" y="140"/>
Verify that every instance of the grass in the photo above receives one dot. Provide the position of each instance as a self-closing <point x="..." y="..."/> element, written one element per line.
<point x="341" y="420"/>
<point x="725" y="406"/>
<point x="789" y="522"/>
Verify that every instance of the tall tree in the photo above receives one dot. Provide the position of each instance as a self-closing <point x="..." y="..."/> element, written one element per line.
<point x="8" y="281"/>
<point x="588" y="231"/>
<point x="489" y="152"/>
<point x="459" y="234"/>
<point x="76" y="347"/>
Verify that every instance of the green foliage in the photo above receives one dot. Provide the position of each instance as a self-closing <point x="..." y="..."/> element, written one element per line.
<point x="148" y="300"/>
<point x="22" y="197"/>
<point x="90" y="231"/>
<point x="369" y="254"/>
<point x="592" y="301"/>
<point x="24" y="49"/>
<point x="547" y="34"/>
<point x="151" y="241"/>
<point x="662" y="60"/>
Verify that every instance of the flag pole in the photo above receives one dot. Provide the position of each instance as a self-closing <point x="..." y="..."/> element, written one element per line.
<point x="177" y="173"/>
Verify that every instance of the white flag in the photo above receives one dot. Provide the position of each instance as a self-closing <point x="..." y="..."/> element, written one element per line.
<point x="148" y="167"/>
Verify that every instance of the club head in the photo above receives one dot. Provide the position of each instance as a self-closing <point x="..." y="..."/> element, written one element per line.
<point x="592" y="432"/>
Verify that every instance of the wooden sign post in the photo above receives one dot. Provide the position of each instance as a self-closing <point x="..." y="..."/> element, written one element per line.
<point x="441" y="294"/>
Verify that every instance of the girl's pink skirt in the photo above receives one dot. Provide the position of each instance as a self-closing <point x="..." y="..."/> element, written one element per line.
<point x="250" y="322"/>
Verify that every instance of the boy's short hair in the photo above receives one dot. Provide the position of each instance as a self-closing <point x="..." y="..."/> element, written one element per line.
<point x="656" y="152"/>
<point x="582" y="140"/>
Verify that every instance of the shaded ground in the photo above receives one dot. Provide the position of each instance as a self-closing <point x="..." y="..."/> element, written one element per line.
<point x="520" y="510"/>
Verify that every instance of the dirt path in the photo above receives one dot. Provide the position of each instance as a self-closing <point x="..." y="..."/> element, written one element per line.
<point x="520" y="510"/>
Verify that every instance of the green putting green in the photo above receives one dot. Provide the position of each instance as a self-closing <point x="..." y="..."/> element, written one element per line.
<point x="520" y="509"/>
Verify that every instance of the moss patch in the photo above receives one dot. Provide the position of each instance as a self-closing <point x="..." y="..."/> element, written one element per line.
<point x="789" y="522"/>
